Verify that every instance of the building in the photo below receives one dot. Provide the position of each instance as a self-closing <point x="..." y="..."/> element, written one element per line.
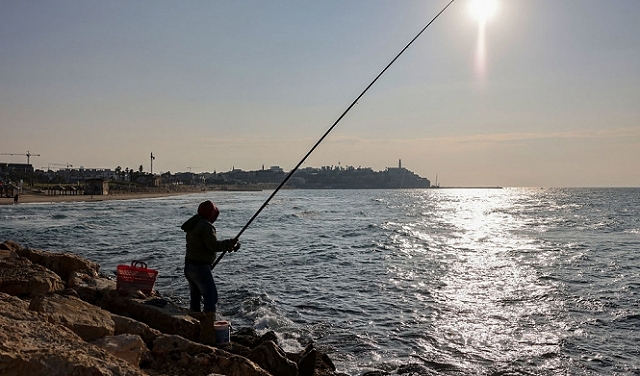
<point x="98" y="187"/>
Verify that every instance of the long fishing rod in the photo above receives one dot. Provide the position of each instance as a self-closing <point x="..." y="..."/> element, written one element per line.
<point x="331" y="128"/>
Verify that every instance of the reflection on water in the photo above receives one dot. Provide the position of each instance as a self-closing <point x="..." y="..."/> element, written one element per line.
<point x="492" y="306"/>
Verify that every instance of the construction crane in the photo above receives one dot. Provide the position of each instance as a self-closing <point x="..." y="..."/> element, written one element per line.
<point x="28" y="155"/>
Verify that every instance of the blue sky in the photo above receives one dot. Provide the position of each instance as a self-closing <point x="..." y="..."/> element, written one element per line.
<point x="213" y="85"/>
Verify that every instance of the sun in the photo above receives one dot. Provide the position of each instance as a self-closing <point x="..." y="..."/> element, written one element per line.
<point x="483" y="10"/>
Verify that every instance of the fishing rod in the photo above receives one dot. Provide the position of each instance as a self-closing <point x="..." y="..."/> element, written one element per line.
<point x="330" y="129"/>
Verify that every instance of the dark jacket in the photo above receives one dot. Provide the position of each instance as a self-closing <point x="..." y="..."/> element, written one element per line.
<point x="202" y="242"/>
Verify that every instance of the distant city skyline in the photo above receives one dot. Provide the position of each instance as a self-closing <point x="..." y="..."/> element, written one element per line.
<point x="148" y="168"/>
<point x="541" y="93"/>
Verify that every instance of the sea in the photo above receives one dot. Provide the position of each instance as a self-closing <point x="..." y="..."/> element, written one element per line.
<point x="512" y="281"/>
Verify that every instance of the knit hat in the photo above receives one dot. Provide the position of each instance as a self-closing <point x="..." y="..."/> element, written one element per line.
<point x="209" y="211"/>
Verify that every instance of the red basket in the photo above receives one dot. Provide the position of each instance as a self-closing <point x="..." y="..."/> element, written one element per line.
<point x="136" y="277"/>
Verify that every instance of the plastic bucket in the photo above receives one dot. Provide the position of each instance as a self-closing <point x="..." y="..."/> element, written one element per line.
<point x="222" y="332"/>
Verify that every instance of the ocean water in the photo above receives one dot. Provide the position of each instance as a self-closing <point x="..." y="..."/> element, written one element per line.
<point x="421" y="282"/>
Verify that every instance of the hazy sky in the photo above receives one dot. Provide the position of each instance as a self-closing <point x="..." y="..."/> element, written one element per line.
<point x="213" y="85"/>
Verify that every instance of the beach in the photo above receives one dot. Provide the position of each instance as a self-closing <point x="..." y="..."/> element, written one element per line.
<point x="30" y="197"/>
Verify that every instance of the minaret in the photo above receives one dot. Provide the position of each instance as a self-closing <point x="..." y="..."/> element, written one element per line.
<point x="399" y="163"/>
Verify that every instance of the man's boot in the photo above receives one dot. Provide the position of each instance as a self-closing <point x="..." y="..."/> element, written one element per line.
<point x="207" y="331"/>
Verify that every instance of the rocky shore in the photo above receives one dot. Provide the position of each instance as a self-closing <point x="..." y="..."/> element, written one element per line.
<point x="59" y="316"/>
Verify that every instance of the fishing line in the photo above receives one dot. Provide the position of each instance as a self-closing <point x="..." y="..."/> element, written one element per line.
<point x="331" y="128"/>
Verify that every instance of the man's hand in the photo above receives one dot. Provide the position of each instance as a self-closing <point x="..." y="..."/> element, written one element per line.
<point x="234" y="245"/>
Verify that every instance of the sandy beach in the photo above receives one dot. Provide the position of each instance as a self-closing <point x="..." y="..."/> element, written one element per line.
<point x="28" y="197"/>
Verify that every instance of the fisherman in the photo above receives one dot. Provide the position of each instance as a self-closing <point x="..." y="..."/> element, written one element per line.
<point x="202" y="245"/>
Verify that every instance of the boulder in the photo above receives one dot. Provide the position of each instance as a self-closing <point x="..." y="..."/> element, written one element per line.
<point x="177" y="355"/>
<point x="20" y="277"/>
<point x="86" y="320"/>
<point x="10" y="245"/>
<point x="128" y="347"/>
<point x="157" y="313"/>
<point x="45" y="333"/>
<point x="29" y="345"/>
<point x="127" y="325"/>
<point x="272" y="358"/>
<point x="89" y="287"/>
<point x="15" y="308"/>
<point x="307" y="362"/>
<point x="245" y="336"/>
<point x="63" y="264"/>
<point x="8" y="254"/>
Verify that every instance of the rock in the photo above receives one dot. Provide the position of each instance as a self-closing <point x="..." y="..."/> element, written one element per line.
<point x="327" y="363"/>
<point x="245" y="336"/>
<point x="45" y="333"/>
<point x="177" y="355"/>
<point x="86" y="320"/>
<point x="168" y="319"/>
<point x="307" y="363"/>
<point x="8" y="302"/>
<point x="7" y="253"/>
<point x="128" y="347"/>
<point x="10" y="246"/>
<point x="29" y="345"/>
<point x="63" y="264"/>
<point x="90" y="288"/>
<point x="269" y="336"/>
<point x="127" y="325"/>
<point x="20" y="277"/>
<point x="273" y="359"/>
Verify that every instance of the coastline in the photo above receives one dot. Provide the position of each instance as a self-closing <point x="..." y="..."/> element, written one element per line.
<point x="30" y="198"/>
<point x="60" y="316"/>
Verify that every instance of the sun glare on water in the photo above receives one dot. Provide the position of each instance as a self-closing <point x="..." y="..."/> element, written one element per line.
<point x="482" y="11"/>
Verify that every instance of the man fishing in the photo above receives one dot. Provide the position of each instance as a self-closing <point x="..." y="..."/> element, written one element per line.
<point x="202" y="246"/>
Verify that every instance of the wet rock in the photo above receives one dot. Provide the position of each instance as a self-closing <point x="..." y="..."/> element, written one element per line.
<point x="178" y="355"/>
<point x="307" y="362"/>
<point x="272" y="358"/>
<point x="245" y="336"/>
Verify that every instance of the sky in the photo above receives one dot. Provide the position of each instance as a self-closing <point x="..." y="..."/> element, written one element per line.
<point x="546" y="93"/>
